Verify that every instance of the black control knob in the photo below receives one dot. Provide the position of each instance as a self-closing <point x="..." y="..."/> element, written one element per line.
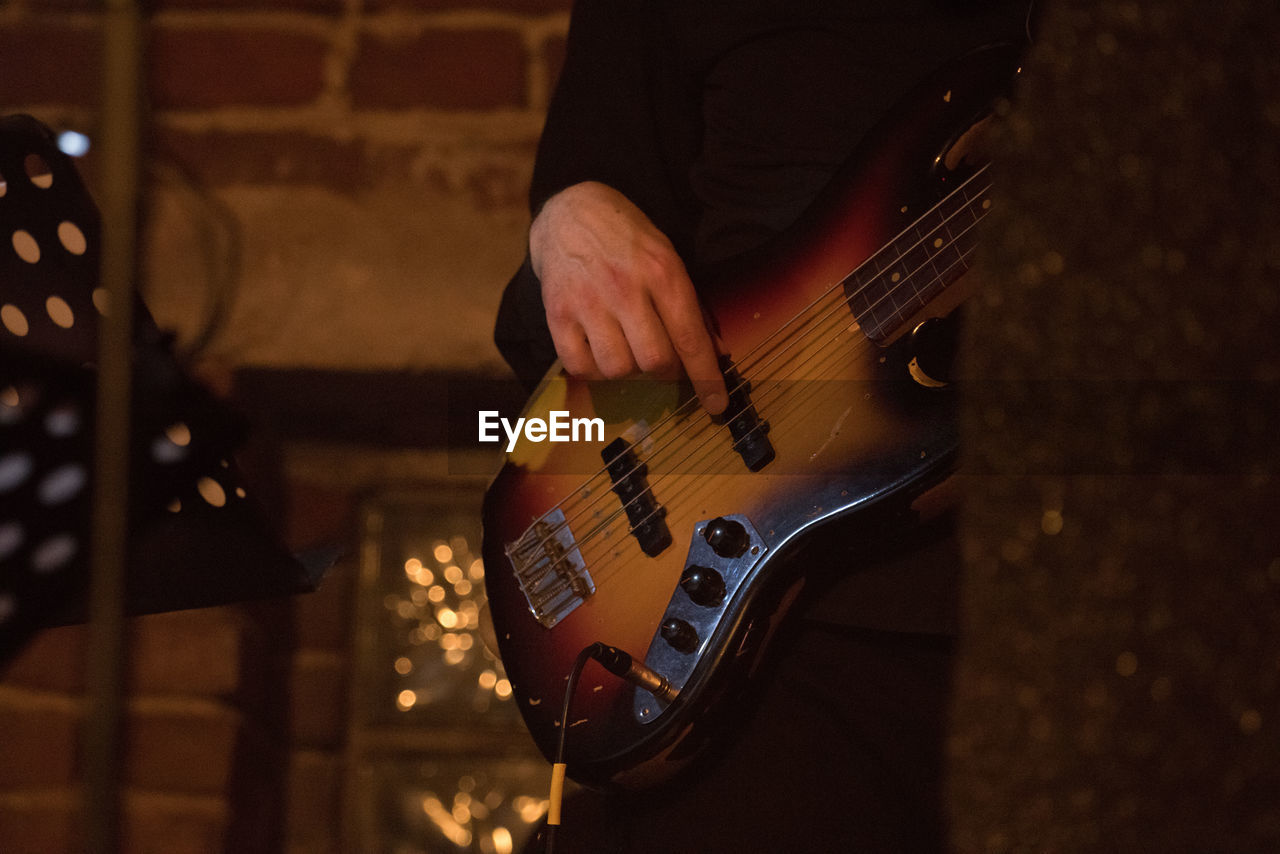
<point x="704" y="585"/>
<point x="726" y="537"/>
<point x="680" y="635"/>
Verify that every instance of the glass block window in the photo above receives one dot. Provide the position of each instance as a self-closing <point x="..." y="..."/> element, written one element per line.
<point x="442" y="760"/>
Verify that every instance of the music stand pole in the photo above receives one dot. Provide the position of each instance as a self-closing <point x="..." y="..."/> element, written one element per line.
<point x="120" y="130"/>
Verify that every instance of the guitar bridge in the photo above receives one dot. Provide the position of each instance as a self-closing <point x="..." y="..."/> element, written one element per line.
<point x="549" y="569"/>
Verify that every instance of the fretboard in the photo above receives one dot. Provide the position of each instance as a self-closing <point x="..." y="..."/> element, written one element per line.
<point x="917" y="265"/>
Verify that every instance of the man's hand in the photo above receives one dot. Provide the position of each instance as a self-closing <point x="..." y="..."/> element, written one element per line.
<point x="618" y="298"/>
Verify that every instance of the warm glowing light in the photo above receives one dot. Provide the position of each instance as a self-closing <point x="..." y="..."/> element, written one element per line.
<point x="452" y="574"/>
<point x="443" y="553"/>
<point x="1051" y="522"/>
<point x="412" y="567"/>
<point x="59" y="312"/>
<point x="436" y="594"/>
<point x="454" y="657"/>
<point x="502" y="689"/>
<point x="463" y="588"/>
<point x="405" y="609"/>
<point x="502" y="842"/>
<point x="488" y="679"/>
<point x="447" y="617"/>
<point x="419" y="597"/>
<point x="179" y="434"/>
<point x="211" y="491"/>
<point x="476" y="571"/>
<point x="461" y="813"/>
<point x="14" y="320"/>
<point x="465" y="641"/>
<point x="404" y="666"/>
<point x="406" y="700"/>
<point x="529" y="809"/>
<point x="72" y="238"/>
<point x="449" y="641"/>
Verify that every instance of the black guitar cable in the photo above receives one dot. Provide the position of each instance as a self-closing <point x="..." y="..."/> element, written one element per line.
<point x="620" y="664"/>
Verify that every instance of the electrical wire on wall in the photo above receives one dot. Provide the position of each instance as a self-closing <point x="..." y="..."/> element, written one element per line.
<point x="218" y="245"/>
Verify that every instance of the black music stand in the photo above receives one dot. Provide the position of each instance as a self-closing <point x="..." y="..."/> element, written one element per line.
<point x="196" y="538"/>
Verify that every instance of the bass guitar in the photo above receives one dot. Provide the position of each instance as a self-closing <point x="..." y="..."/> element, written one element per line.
<point x="673" y="536"/>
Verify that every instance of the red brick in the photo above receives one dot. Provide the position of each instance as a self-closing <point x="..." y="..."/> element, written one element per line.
<point x="194" y="68"/>
<point x="181" y="748"/>
<point x="161" y="824"/>
<point x="54" y="660"/>
<point x="553" y="59"/>
<point x="449" y="69"/>
<point x="496" y="184"/>
<point x="50" y="63"/>
<point x="322" y="619"/>
<point x="318" y="6"/>
<point x="38" y="824"/>
<point x="188" y="652"/>
<point x="315" y="802"/>
<point x="318" y="691"/>
<point x="495" y="5"/>
<point x="38" y="740"/>
<point x="265" y="158"/>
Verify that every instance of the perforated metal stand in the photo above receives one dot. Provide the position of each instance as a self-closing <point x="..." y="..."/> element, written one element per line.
<point x="196" y="537"/>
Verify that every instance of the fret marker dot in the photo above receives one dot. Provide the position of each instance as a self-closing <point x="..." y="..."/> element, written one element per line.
<point x="986" y="204"/>
<point x="937" y="243"/>
<point x="895" y="277"/>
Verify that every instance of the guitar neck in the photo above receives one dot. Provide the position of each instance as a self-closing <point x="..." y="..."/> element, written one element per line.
<point x="920" y="262"/>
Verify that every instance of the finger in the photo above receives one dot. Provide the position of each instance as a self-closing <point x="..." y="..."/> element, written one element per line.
<point x="682" y="318"/>
<point x="574" y="350"/>
<point x="610" y="351"/>
<point x="651" y="347"/>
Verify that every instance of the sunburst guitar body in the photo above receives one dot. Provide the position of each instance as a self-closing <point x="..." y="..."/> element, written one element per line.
<point x="674" y="536"/>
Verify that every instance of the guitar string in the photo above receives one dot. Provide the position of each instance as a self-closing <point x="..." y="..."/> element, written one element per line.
<point x="793" y="338"/>
<point x="744" y="365"/>
<point x="604" y="527"/>
<point x="830" y="353"/>
<point x="655" y="438"/>
<point x="601" y="528"/>
<point x="798" y="335"/>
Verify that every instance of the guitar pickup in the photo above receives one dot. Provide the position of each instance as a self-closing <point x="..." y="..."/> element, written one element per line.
<point x="630" y="482"/>
<point x="749" y="431"/>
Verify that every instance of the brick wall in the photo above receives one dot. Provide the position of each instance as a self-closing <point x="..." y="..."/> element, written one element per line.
<point x="340" y="182"/>
<point x="331" y="184"/>
<point x="203" y="735"/>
